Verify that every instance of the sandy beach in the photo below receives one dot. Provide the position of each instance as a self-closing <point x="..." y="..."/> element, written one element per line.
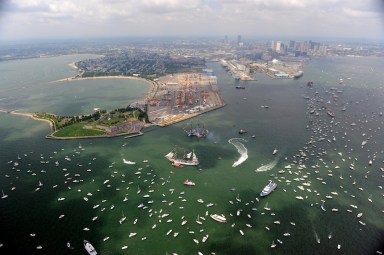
<point x="27" y="114"/>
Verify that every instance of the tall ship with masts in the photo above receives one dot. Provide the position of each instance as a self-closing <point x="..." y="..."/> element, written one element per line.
<point x="188" y="158"/>
<point x="198" y="130"/>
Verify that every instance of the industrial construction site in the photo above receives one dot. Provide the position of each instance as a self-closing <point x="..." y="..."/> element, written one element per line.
<point x="182" y="96"/>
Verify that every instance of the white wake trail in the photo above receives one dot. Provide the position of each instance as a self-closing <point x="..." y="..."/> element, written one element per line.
<point x="240" y="149"/>
<point x="268" y="166"/>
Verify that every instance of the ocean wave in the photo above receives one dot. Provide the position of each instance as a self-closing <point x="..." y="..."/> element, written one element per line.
<point x="240" y="149"/>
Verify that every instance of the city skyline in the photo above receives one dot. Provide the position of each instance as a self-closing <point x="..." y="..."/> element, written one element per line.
<point x="278" y="18"/>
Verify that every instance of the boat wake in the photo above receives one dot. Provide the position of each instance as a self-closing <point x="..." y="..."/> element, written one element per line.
<point x="316" y="235"/>
<point x="272" y="164"/>
<point x="128" y="162"/>
<point x="240" y="149"/>
<point x="268" y="166"/>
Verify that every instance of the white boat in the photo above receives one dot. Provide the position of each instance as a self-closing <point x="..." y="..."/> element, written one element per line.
<point x="219" y="218"/>
<point x="4" y="196"/>
<point x="268" y="189"/>
<point x="198" y="220"/>
<point x="128" y="162"/>
<point x="122" y="219"/>
<point x="274" y="151"/>
<point x="89" y="248"/>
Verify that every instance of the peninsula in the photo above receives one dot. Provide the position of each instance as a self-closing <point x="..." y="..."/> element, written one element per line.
<point x="170" y="99"/>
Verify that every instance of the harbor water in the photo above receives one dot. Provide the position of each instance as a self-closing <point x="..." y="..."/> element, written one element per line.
<point x="329" y="200"/>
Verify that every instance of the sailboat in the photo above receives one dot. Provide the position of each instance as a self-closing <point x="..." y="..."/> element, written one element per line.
<point x="4" y="196"/>
<point x="198" y="220"/>
<point x="199" y="131"/>
<point x="189" y="158"/>
<point x="123" y="218"/>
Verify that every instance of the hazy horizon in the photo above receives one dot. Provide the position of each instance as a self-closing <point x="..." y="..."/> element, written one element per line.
<point x="69" y="19"/>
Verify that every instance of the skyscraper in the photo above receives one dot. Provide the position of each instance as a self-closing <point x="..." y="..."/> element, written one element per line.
<point x="238" y="39"/>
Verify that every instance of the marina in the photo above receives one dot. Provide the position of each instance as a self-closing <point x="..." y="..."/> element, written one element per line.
<point x="87" y="189"/>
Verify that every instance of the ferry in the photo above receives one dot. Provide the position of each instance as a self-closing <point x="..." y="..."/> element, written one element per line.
<point x="89" y="248"/>
<point x="219" y="218"/>
<point x="189" y="183"/>
<point x="268" y="189"/>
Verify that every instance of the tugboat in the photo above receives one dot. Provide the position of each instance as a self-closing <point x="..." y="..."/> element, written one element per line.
<point x="89" y="248"/>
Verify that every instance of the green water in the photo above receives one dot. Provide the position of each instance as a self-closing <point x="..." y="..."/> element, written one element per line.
<point x="285" y="125"/>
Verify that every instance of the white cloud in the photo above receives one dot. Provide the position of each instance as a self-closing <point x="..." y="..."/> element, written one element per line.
<point x="187" y="17"/>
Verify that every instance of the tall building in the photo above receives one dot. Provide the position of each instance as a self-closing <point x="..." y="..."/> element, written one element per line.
<point x="291" y="44"/>
<point x="238" y="39"/>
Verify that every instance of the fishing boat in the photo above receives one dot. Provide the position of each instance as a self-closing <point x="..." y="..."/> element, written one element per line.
<point x="199" y="130"/>
<point x="189" y="183"/>
<point x="89" y="248"/>
<point x="219" y="218"/>
<point x="331" y="114"/>
<point x="268" y="189"/>
<point x="188" y="159"/>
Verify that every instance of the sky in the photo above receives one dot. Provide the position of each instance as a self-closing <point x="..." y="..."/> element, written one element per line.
<point x="24" y="19"/>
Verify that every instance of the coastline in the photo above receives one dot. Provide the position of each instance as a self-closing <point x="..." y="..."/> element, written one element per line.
<point x="153" y="89"/>
<point x="26" y="114"/>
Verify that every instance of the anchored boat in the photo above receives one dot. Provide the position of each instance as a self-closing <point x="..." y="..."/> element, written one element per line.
<point x="89" y="248"/>
<point x="268" y="189"/>
<point x="219" y="218"/>
<point x="188" y="158"/>
<point x="199" y="130"/>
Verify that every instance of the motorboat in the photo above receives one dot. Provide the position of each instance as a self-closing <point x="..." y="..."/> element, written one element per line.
<point x="89" y="248"/>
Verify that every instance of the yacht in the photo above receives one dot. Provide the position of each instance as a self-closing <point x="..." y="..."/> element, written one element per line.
<point x="219" y="218"/>
<point x="268" y="189"/>
<point x="89" y="248"/>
